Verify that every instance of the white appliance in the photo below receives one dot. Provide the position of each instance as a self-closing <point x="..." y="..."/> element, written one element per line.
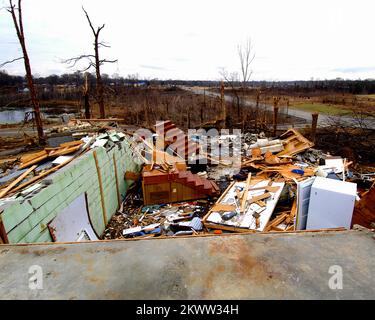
<point x="331" y="204"/>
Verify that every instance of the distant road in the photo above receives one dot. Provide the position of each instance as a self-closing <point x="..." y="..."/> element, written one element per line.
<point x="324" y="120"/>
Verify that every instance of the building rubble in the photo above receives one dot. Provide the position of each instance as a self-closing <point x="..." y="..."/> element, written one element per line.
<point x="280" y="184"/>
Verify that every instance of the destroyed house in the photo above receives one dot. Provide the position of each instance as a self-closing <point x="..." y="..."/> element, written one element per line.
<point x="284" y="200"/>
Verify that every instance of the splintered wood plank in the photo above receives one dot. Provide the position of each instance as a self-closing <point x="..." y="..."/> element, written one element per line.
<point x="290" y="228"/>
<point x="258" y="198"/>
<point x="223" y="207"/>
<point x="32" y="156"/>
<point x="5" y="191"/>
<point x="64" y="151"/>
<point x="267" y="188"/>
<point x="34" y="161"/>
<point x="276" y="221"/>
<point x="71" y="144"/>
<point x="245" y="194"/>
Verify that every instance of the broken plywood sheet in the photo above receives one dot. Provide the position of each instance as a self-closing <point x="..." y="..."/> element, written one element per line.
<point x="246" y="221"/>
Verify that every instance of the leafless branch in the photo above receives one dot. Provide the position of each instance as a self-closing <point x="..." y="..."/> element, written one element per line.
<point x="96" y="33"/>
<point x="230" y="78"/>
<point x="103" y="44"/>
<point x="10" y="61"/>
<point x="107" y="61"/>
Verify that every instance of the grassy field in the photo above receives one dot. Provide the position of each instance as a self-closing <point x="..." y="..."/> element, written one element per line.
<point x="321" y="108"/>
<point x="366" y="96"/>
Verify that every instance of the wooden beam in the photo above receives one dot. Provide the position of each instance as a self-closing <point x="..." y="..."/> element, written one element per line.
<point x="64" y="151"/>
<point x="34" y="161"/>
<point x="267" y="188"/>
<point x="71" y="144"/>
<point x="101" y="188"/>
<point x="5" y="191"/>
<point x="245" y="194"/>
<point x="258" y="198"/>
<point x="117" y="181"/>
<point x="3" y="235"/>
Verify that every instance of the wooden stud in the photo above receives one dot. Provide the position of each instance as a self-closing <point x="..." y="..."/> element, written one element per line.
<point x="101" y="188"/>
<point x="117" y="182"/>
<point x="3" y="235"/>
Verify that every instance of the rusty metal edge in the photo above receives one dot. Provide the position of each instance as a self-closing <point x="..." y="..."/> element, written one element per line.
<point x="322" y="231"/>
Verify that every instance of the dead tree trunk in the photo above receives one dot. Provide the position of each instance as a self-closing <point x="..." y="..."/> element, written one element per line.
<point x="223" y="104"/>
<point x="86" y="99"/>
<point x="203" y="106"/>
<point x="99" y="80"/>
<point x="314" y="125"/>
<point x="18" y="24"/>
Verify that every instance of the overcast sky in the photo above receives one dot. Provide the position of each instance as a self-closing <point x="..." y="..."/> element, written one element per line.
<point x="193" y="39"/>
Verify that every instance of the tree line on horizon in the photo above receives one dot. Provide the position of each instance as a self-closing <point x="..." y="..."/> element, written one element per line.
<point x="78" y="79"/>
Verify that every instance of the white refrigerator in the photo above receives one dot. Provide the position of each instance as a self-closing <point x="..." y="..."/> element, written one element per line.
<point x="331" y="204"/>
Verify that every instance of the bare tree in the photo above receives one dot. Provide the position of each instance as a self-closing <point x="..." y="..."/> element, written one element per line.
<point x="247" y="55"/>
<point x="94" y="62"/>
<point x="18" y="24"/>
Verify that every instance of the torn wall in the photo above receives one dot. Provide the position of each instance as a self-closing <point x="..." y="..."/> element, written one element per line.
<point x="26" y="218"/>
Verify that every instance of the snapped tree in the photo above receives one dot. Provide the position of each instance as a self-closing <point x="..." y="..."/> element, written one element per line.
<point x="94" y="62"/>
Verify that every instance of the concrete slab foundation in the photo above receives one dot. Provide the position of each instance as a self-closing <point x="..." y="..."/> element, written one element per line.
<point x="261" y="266"/>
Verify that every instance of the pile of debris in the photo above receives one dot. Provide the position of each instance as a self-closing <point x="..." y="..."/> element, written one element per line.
<point x="284" y="185"/>
<point x="134" y="220"/>
<point x="280" y="175"/>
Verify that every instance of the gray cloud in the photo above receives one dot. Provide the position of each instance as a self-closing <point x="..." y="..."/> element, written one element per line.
<point x="145" y="66"/>
<point x="354" y="69"/>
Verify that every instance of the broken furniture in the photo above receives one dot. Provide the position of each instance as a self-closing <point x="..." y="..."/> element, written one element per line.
<point x="294" y="143"/>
